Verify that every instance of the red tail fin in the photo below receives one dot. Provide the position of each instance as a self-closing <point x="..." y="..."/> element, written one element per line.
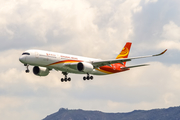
<point x="125" y="52"/>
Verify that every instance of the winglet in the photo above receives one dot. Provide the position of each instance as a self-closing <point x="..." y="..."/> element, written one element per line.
<point x="160" y="53"/>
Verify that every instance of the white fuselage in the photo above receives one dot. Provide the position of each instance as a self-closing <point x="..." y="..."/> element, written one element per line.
<point x="57" y="61"/>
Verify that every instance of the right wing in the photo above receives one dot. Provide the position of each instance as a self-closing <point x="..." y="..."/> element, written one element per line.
<point x="100" y="63"/>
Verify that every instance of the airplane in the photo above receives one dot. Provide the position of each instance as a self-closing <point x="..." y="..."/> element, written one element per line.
<point x="45" y="61"/>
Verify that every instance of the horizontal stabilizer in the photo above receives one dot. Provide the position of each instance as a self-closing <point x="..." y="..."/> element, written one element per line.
<point x="124" y="68"/>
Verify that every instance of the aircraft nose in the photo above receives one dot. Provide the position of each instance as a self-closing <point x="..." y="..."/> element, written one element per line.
<point x="22" y="59"/>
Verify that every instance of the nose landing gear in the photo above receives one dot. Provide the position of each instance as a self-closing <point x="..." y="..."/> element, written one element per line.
<point x="27" y="68"/>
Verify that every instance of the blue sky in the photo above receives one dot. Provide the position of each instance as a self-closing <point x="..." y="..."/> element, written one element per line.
<point x="91" y="28"/>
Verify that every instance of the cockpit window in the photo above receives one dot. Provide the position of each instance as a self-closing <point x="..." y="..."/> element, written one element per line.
<point x="26" y="53"/>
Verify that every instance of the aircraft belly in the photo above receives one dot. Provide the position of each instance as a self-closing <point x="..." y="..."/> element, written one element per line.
<point x="106" y="70"/>
<point x="97" y="72"/>
<point x="63" y="68"/>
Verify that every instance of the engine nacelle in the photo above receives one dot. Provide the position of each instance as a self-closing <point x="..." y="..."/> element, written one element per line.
<point x="85" y="67"/>
<point x="40" y="71"/>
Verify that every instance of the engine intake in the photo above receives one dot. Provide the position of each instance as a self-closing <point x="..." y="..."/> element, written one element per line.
<point x="40" y="71"/>
<point x="85" y="67"/>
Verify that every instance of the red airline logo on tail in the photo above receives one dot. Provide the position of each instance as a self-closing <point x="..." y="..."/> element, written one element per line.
<point x="123" y="54"/>
<point x="125" y="51"/>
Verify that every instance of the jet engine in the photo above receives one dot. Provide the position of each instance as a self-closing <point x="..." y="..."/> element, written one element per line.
<point x="85" y="67"/>
<point x="40" y="71"/>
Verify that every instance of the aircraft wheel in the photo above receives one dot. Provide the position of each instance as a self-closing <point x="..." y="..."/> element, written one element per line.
<point x="91" y="77"/>
<point x="69" y="79"/>
<point x="62" y="80"/>
<point x="84" y="78"/>
<point x="65" y="79"/>
<point x="87" y="77"/>
<point x="27" y="71"/>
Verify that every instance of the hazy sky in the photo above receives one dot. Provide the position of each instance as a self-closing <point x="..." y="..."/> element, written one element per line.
<point x="97" y="29"/>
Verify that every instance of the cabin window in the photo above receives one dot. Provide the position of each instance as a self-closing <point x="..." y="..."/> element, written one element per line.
<point x="26" y="53"/>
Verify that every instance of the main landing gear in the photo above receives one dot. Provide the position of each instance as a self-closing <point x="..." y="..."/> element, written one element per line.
<point x="88" y="77"/>
<point x="69" y="79"/>
<point x="65" y="79"/>
<point x="27" y="66"/>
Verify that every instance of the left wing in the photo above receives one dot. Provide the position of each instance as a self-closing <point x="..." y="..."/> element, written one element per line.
<point x="100" y="63"/>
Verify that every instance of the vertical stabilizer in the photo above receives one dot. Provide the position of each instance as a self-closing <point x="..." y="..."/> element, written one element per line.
<point x="125" y="52"/>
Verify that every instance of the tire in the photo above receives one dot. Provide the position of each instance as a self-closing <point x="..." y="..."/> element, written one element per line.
<point x="69" y="79"/>
<point x="27" y="71"/>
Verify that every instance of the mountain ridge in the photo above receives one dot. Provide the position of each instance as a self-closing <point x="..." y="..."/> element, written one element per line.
<point x="172" y="113"/>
